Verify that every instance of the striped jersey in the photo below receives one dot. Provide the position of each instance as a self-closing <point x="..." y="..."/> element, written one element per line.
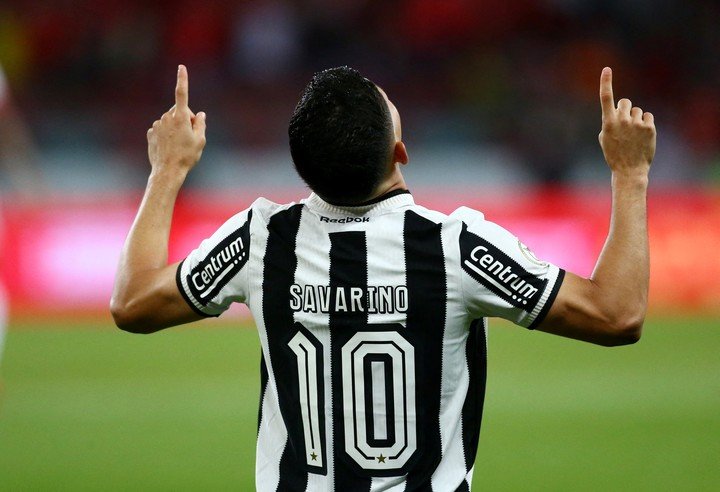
<point x="372" y="322"/>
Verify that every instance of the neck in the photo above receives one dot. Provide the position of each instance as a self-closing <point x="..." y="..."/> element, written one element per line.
<point x="394" y="181"/>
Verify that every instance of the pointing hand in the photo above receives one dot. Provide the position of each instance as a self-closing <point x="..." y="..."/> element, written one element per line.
<point x="628" y="135"/>
<point x="177" y="139"/>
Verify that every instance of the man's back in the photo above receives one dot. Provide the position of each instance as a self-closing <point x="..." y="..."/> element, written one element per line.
<point x="370" y="315"/>
<point x="372" y="334"/>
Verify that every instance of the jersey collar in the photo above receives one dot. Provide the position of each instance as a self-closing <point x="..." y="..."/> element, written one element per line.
<point x="391" y="200"/>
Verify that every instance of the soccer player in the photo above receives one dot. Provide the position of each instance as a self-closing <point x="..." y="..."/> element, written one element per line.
<point x="371" y="309"/>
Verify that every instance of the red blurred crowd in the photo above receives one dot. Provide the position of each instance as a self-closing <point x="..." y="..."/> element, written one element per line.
<point x="521" y="74"/>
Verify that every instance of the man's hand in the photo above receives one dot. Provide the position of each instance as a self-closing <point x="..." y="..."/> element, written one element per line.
<point x="628" y="135"/>
<point x="177" y="139"/>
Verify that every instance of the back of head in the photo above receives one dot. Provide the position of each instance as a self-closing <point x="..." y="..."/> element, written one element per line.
<point x="341" y="136"/>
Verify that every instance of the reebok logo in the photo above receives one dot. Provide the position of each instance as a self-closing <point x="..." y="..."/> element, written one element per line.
<point x="499" y="273"/>
<point x="344" y="220"/>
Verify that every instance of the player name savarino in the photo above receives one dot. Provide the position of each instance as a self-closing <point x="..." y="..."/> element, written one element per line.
<point x="339" y="299"/>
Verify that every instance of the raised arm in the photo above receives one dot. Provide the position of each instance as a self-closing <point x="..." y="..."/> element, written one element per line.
<point x="146" y="298"/>
<point x="609" y="307"/>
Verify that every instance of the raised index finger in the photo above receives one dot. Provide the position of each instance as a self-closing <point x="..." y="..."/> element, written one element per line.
<point x="607" y="101"/>
<point x="181" y="89"/>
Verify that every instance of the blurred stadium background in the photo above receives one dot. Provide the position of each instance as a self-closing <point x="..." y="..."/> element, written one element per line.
<point x="500" y="112"/>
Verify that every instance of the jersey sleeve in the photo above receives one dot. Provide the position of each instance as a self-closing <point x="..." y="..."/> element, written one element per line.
<point x="501" y="277"/>
<point x="215" y="275"/>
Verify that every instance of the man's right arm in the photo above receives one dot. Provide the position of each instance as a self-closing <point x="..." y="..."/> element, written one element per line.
<point x="146" y="297"/>
<point x="609" y="307"/>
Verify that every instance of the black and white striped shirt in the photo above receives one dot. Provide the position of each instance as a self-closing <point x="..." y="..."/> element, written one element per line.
<point x="373" y="333"/>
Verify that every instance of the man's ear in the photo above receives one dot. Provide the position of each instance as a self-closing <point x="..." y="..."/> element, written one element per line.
<point x="400" y="153"/>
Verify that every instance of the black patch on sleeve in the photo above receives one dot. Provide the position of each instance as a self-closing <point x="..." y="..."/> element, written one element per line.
<point x="550" y="300"/>
<point x="185" y="296"/>
<point x="220" y="265"/>
<point x="499" y="273"/>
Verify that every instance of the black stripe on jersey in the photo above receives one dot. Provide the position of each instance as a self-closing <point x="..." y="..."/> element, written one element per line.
<point x="549" y="302"/>
<point x="427" y="297"/>
<point x="279" y="267"/>
<point x="348" y="268"/>
<point x="476" y="355"/>
<point x="463" y="487"/>
<point x="206" y="279"/>
<point x="263" y="387"/>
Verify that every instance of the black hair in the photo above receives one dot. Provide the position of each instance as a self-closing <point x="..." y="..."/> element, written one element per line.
<point x="341" y="136"/>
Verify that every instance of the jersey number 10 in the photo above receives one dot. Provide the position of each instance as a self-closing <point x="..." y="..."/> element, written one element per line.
<point x="378" y="398"/>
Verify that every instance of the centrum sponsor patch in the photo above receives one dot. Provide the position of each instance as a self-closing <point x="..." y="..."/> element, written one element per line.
<point x="220" y="265"/>
<point x="499" y="273"/>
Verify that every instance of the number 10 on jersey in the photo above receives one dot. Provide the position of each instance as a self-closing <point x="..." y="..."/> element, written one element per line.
<point x="378" y="387"/>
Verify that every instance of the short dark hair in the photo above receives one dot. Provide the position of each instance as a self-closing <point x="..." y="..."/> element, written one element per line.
<point x="341" y="136"/>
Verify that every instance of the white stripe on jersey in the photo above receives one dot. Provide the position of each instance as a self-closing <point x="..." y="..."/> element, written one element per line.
<point x="272" y="433"/>
<point x="316" y="243"/>
<point x="485" y="273"/>
<point x="272" y="439"/>
<point x="388" y="484"/>
<point x="382" y="269"/>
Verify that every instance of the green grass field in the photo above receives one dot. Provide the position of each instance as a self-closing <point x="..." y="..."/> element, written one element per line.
<point x="91" y="408"/>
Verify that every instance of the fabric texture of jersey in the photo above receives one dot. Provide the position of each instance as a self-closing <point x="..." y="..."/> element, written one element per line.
<point x="372" y="322"/>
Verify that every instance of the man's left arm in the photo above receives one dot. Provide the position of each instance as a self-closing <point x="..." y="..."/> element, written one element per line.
<point x="145" y="296"/>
